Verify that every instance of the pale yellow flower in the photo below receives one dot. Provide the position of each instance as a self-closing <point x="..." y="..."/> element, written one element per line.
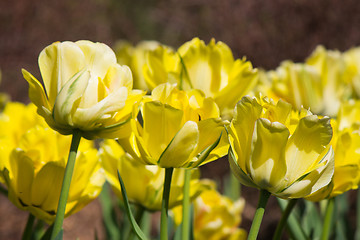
<point x="85" y="89"/>
<point x="279" y="150"/>
<point x="144" y="183"/>
<point x="176" y="129"/>
<point x="331" y="66"/>
<point x="135" y="58"/>
<point x="299" y="84"/>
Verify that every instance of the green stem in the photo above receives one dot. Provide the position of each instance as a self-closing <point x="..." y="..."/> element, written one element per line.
<point x="328" y="219"/>
<point x="284" y="218"/>
<point x="186" y="206"/>
<point x="60" y="214"/>
<point x="255" y="226"/>
<point x="165" y="204"/>
<point x="28" y="228"/>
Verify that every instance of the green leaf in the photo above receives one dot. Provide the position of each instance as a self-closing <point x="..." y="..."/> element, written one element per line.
<point x="134" y="224"/>
<point x="293" y="224"/>
<point x="108" y="212"/>
<point x="312" y="223"/>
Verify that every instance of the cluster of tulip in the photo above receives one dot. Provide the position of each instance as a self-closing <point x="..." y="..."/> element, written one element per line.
<point x="189" y="107"/>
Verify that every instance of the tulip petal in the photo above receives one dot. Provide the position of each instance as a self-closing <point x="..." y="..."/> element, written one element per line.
<point x="58" y="63"/>
<point x="98" y="57"/>
<point x="306" y="144"/>
<point x="268" y="165"/>
<point x="179" y="150"/>
<point x="22" y="170"/>
<point x="313" y="181"/>
<point x="47" y="186"/>
<point x="37" y="94"/>
<point x="161" y="123"/>
<point x="212" y="141"/>
<point x="68" y="98"/>
<point x="238" y="172"/>
<point x="246" y="113"/>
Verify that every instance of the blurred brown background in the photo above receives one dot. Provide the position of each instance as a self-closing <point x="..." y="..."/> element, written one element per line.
<point x="267" y="32"/>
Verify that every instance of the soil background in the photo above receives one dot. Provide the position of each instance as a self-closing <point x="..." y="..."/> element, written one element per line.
<point x="266" y="32"/>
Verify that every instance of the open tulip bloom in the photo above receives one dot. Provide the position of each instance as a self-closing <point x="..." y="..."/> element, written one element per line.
<point x="85" y="88"/>
<point x="176" y="129"/>
<point x="87" y="95"/>
<point x="280" y="151"/>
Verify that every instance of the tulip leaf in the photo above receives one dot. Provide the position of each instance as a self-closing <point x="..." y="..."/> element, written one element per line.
<point x="132" y="220"/>
<point x="109" y="219"/>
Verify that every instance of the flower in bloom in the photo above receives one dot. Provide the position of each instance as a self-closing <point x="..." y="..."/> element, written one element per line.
<point x="85" y="89"/>
<point x="298" y="84"/>
<point x="211" y="68"/>
<point x="176" y="129"/>
<point x="346" y="142"/>
<point x="33" y="174"/>
<point x="135" y="58"/>
<point x="215" y="216"/>
<point x="144" y="183"/>
<point x="16" y="119"/>
<point x="279" y="150"/>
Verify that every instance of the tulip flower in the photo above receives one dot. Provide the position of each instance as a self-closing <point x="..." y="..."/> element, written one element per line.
<point x="215" y="216"/>
<point x="16" y="119"/>
<point x="33" y="174"/>
<point x="175" y="129"/>
<point x="211" y="68"/>
<point x="298" y="84"/>
<point x="279" y="150"/>
<point x="346" y="142"/>
<point x="331" y="66"/>
<point x="135" y="58"/>
<point x="85" y="89"/>
<point x="144" y="183"/>
<point x="178" y="129"/>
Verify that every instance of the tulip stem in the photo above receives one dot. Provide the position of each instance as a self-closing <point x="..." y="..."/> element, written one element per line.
<point x="328" y="219"/>
<point x="28" y="228"/>
<point x="284" y="218"/>
<point x="255" y="226"/>
<point x="60" y="214"/>
<point x="165" y="204"/>
<point x="186" y="206"/>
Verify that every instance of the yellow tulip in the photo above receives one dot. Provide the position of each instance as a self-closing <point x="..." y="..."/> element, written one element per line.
<point x="215" y="216"/>
<point x="144" y="183"/>
<point x="16" y="119"/>
<point x="279" y="150"/>
<point x="176" y="129"/>
<point x="211" y="68"/>
<point x="135" y="58"/>
<point x="352" y="73"/>
<point x="332" y="69"/>
<point x="85" y="89"/>
<point x="298" y="84"/>
<point x="346" y="142"/>
<point x="34" y="172"/>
